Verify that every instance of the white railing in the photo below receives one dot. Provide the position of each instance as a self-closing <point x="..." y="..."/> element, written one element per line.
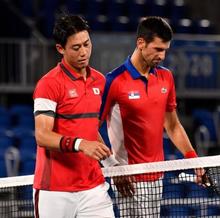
<point x="194" y="61"/>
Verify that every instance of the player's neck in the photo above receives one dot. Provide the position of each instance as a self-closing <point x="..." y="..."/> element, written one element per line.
<point x="141" y="66"/>
<point x="81" y="72"/>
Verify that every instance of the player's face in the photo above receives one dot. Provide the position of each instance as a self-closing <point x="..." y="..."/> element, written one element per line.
<point x="77" y="50"/>
<point x="154" y="52"/>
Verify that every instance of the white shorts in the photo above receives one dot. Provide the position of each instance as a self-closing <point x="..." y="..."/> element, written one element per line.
<point x="92" y="203"/>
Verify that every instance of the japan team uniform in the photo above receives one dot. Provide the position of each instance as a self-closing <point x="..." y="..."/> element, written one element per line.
<point x="135" y="108"/>
<point x="75" y="105"/>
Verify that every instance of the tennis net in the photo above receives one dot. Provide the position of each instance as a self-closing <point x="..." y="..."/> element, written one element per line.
<point x="159" y="189"/>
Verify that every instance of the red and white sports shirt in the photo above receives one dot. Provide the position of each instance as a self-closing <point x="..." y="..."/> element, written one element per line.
<point x="75" y="105"/>
<point x="135" y="109"/>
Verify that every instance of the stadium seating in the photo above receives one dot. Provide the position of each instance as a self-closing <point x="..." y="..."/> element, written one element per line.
<point x="173" y="191"/>
<point x="22" y="115"/>
<point x="168" y="148"/>
<point x="17" y="142"/>
<point x="170" y="151"/>
<point x="5" y="121"/>
<point x="178" y="10"/>
<point x="120" y="23"/>
<point x="27" y="148"/>
<point x="159" y="8"/>
<point x="213" y="211"/>
<point x="180" y="211"/>
<point x="183" y="25"/>
<point x="27" y="163"/>
<point x="138" y="8"/>
<point x="100" y="23"/>
<point x="20" y="109"/>
<point x="164" y="211"/>
<point x="3" y="171"/>
<point x="205" y="118"/>
<point x="95" y="11"/>
<point x="28" y="144"/>
<point x="204" y="26"/>
<point x="6" y="142"/>
<point x="202" y="193"/>
<point x="94" y="8"/>
<point x="22" y="131"/>
<point x="116" y="8"/>
<point x="75" y="6"/>
<point x="3" y="131"/>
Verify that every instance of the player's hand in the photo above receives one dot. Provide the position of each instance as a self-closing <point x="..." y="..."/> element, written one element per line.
<point x="125" y="185"/>
<point x="200" y="175"/>
<point x="94" y="149"/>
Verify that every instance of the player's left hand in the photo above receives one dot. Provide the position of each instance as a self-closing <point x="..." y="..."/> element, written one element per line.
<point x="125" y="185"/>
<point x="199" y="175"/>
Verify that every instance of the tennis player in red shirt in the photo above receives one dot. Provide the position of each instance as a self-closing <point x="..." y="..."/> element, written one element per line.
<point x="139" y="102"/>
<point x="68" y="181"/>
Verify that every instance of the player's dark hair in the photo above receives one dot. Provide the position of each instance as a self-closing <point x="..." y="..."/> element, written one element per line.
<point x="67" y="25"/>
<point x="153" y="26"/>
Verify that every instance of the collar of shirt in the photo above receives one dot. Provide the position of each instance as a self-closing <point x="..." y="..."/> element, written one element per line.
<point x="71" y="73"/>
<point x="133" y="71"/>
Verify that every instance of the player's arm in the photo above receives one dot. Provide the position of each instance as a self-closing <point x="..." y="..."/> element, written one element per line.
<point x="46" y="137"/>
<point x="177" y="134"/>
<point x="44" y="134"/>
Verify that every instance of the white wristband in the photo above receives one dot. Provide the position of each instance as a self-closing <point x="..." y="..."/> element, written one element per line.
<point x="109" y="161"/>
<point x="76" y="146"/>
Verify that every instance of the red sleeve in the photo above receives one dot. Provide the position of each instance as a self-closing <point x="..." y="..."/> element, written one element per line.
<point x="171" y="102"/>
<point x="47" y="88"/>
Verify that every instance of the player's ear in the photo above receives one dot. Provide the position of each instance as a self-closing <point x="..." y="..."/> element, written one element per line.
<point x="140" y="43"/>
<point x="60" y="49"/>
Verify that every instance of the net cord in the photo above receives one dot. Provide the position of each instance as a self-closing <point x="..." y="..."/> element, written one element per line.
<point x="16" y="181"/>
<point x="162" y="166"/>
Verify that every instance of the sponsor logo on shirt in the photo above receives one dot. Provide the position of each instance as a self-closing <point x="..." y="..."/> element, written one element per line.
<point x="133" y="95"/>
<point x="73" y="93"/>
<point x="163" y="90"/>
<point x="96" y="91"/>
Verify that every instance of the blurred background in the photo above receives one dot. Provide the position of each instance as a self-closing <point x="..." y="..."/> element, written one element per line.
<point x="27" y="52"/>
